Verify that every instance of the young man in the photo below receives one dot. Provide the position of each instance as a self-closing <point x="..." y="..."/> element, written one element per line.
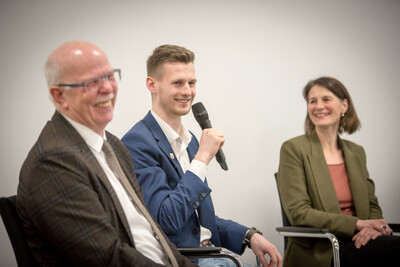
<point x="73" y="207"/>
<point x="171" y="164"/>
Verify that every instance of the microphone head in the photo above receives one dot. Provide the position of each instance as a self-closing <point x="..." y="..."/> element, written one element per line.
<point x="199" y="112"/>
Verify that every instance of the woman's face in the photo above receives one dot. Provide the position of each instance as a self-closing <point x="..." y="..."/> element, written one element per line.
<point x="325" y="108"/>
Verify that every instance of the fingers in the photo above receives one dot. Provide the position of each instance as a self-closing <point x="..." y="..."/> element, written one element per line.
<point x="276" y="258"/>
<point x="263" y="260"/>
<point x="364" y="236"/>
<point x="262" y="247"/>
<point x="382" y="227"/>
<point x="379" y="225"/>
<point x="385" y="229"/>
<point x="211" y="140"/>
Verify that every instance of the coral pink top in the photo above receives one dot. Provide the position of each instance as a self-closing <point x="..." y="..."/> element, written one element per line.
<point x="340" y="181"/>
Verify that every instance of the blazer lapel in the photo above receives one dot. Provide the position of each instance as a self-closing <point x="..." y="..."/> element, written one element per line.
<point x="359" y="189"/>
<point x="75" y="138"/>
<point x="162" y="141"/>
<point x="321" y="176"/>
<point x="192" y="147"/>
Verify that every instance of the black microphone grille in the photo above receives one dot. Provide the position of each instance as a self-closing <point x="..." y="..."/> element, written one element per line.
<point x="199" y="112"/>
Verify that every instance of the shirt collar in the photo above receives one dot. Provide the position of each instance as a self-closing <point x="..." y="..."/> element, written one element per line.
<point x="170" y="133"/>
<point x="91" y="138"/>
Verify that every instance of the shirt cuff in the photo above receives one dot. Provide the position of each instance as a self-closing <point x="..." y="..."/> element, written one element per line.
<point x="198" y="168"/>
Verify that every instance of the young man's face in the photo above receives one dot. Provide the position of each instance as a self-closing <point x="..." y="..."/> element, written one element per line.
<point x="174" y="90"/>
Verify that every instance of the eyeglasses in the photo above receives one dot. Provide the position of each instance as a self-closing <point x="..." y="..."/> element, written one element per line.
<point x="94" y="84"/>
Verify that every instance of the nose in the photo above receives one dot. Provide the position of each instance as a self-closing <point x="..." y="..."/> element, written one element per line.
<point x="318" y="104"/>
<point x="106" y="86"/>
<point x="186" y="89"/>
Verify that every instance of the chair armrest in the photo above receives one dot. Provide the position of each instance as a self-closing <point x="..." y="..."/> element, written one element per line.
<point x="209" y="252"/>
<point x="307" y="232"/>
<point x="395" y="227"/>
<point x="194" y="251"/>
<point x="293" y="229"/>
<point x="310" y="232"/>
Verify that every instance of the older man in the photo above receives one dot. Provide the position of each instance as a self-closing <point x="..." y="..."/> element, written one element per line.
<point x="81" y="204"/>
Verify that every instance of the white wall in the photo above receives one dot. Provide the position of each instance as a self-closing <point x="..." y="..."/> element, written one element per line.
<point x="253" y="59"/>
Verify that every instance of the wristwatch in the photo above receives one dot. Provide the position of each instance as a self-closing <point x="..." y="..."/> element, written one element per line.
<point x="249" y="235"/>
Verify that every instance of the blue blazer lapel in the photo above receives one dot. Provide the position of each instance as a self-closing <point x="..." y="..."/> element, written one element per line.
<point x="192" y="147"/>
<point x="162" y="141"/>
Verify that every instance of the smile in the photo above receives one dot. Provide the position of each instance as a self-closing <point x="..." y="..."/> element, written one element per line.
<point x="182" y="100"/>
<point x="104" y="104"/>
<point x="321" y="115"/>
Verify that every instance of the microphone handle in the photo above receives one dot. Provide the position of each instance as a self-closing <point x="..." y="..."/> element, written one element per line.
<point x="220" y="157"/>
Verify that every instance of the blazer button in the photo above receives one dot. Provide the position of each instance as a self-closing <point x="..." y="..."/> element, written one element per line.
<point x="196" y="204"/>
<point x="195" y="230"/>
<point x="202" y="196"/>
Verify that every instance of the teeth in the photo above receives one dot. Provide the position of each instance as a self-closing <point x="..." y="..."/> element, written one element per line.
<point x="104" y="104"/>
<point x="321" y="115"/>
<point x="182" y="100"/>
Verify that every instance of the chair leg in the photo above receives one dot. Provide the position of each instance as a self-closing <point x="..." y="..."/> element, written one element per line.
<point x="335" y="250"/>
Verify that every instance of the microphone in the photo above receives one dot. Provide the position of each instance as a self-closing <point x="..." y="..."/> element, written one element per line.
<point x="201" y="115"/>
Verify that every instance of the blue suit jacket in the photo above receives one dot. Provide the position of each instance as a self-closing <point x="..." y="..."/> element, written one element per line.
<point x="173" y="196"/>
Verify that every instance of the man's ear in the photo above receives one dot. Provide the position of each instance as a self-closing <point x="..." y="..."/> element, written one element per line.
<point x="58" y="97"/>
<point x="150" y="83"/>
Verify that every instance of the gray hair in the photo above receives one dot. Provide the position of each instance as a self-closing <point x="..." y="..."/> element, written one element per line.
<point x="53" y="72"/>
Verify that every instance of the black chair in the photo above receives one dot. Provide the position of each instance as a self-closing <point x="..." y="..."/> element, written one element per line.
<point x="290" y="231"/>
<point x="24" y="256"/>
<point x="15" y="232"/>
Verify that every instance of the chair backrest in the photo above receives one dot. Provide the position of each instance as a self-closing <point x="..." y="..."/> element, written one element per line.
<point x="15" y="232"/>
<point x="285" y="220"/>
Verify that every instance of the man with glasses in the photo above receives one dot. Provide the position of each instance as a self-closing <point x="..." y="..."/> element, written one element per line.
<point x="78" y="197"/>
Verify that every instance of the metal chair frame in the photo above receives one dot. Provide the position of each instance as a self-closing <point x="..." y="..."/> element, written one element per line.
<point x="291" y="231"/>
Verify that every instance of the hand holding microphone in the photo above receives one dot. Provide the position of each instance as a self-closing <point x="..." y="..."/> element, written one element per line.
<point x="201" y="116"/>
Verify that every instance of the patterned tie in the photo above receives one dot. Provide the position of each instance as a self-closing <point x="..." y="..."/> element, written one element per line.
<point x="116" y="167"/>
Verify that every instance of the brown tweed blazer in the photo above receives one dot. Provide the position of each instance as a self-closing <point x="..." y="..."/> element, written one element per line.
<point x="309" y="198"/>
<point x="69" y="210"/>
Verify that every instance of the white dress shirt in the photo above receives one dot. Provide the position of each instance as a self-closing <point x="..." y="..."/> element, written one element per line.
<point x="145" y="241"/>
<point x="179" y="143"/>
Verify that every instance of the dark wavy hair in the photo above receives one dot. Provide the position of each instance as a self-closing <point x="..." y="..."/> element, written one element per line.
<point x="349" y="122"/>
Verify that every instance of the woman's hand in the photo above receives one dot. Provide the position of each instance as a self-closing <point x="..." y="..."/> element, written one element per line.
<point x="379" y="225"/>
<point x="364" y="236"/>
<point x="370" y="230"/>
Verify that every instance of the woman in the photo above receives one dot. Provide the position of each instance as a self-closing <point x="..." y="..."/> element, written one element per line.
<point x="324" y="183"/>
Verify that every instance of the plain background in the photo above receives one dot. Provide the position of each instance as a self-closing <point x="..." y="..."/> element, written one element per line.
<point x="252" y="60"/>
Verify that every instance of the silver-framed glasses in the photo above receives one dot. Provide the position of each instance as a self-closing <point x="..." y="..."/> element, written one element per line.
<point x="94" y="84"/>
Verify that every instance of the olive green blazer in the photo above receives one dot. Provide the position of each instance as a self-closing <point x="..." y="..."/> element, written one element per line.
<point x="309" y="198"/>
